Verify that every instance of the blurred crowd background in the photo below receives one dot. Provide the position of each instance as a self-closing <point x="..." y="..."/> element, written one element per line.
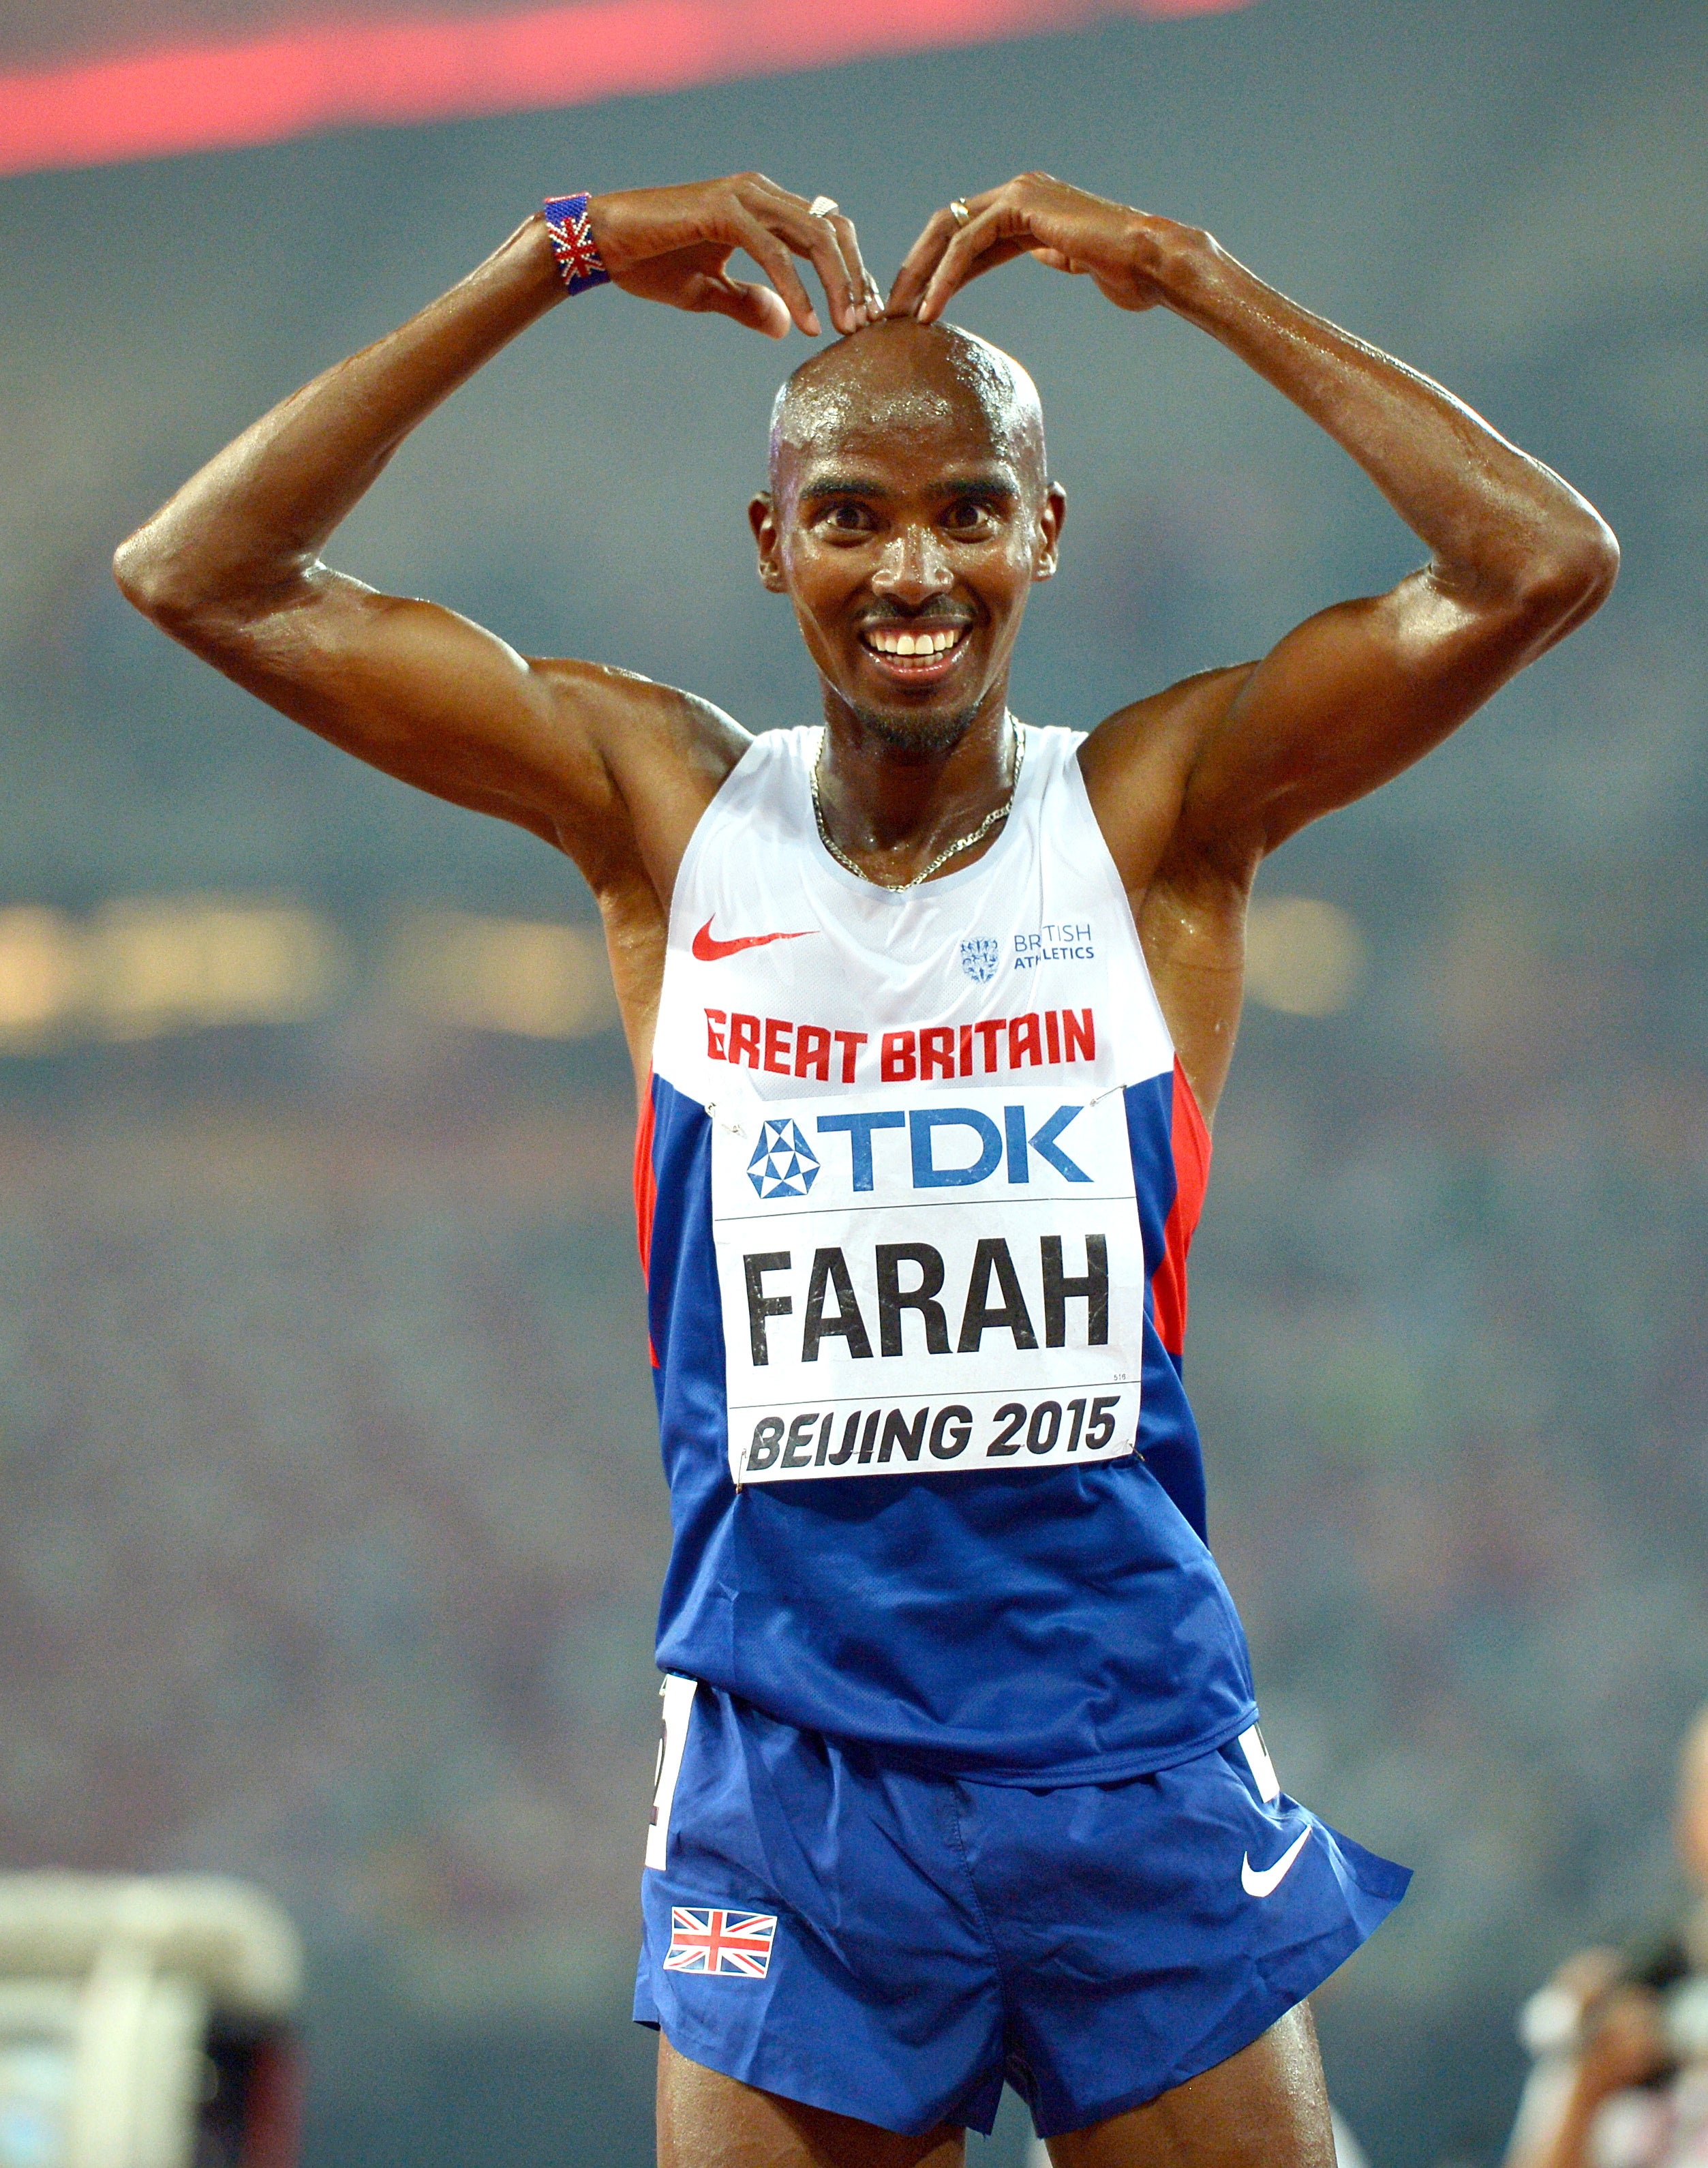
<point x="332" y="1522"/>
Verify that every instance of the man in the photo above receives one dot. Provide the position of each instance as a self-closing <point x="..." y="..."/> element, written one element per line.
<point x="930" y="1013"/>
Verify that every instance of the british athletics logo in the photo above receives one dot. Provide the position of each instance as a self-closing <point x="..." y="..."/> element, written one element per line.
<point x="738" y="1942"/>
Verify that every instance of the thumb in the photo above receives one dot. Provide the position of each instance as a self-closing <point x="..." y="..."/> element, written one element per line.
<point x="756" y="307"/>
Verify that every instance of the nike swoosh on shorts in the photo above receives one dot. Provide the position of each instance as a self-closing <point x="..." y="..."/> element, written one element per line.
<point x="710" y="950"/>
<point x="1265" y="1881"/>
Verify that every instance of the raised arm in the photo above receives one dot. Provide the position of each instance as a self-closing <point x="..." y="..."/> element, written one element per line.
<point x="1194" y="786"/>
<point x="587" y="757"/>
<point x="1516" y="559"/>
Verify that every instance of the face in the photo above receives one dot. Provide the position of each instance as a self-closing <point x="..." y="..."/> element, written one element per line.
<point x="908" y="521"/>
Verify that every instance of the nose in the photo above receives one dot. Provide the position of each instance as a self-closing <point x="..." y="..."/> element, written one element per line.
<point x="913" y="567"/>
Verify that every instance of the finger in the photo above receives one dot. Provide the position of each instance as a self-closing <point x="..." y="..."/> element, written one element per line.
<point x="922" y="259"/>
<point x="999" y="253"/>
<point x="817" y="240"/>
<point x="845" y="287"/>
<point x="917" y="266"/>
<point x="772" y="257"/>
<point x="758" y="308"/>
<point x="983" y="243"/>
<point x="868" y="303"/>
<point x="862" y="295"/>
<point x="866" y="285"/>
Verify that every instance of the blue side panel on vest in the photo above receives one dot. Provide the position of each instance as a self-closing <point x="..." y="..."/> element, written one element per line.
<point x="1168" y="1431"/>
<point x="688" y="1338"/>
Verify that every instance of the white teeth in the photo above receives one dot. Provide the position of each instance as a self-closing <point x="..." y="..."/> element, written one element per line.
<point x="885" y="641"/>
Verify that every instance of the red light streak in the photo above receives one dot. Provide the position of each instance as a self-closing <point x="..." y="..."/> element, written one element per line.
<point x="389" y="73"/>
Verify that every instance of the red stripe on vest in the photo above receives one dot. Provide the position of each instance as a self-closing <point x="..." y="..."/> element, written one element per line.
<point x="1190" y="1142"/>
<point x="645" y="1193"/>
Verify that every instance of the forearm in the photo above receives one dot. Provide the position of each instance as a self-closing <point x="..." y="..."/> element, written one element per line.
<point x="1496" y="522"/>
<point x="241" y="533"/>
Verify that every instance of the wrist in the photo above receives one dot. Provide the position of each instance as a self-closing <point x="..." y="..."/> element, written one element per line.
<point x="569" y="227"/>
<point x="1187" y="266"/>
<point x="532" y="242"/>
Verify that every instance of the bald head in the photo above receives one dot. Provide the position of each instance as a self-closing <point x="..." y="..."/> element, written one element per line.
<point x="899" y="378"/>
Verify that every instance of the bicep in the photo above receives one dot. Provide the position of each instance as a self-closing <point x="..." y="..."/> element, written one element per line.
<point x="429" y="697"/>
<point x="1346" y="701"/>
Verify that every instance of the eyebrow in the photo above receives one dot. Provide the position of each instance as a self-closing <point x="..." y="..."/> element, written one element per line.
<point x="841" y="485"/>
<point x="996" y="488"/>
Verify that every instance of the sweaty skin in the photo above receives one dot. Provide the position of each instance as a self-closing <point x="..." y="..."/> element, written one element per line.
<point x="908" y="498"/>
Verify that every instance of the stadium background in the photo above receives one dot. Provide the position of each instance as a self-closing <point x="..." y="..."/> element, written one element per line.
<point x="332" y="1522"/>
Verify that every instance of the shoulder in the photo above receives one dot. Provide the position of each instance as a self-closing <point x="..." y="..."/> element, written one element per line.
<point x="1164" y="725"/>
<point x="640" y="763"/>
<point x="1138" y="762"/>
<point x="620" y="707"/>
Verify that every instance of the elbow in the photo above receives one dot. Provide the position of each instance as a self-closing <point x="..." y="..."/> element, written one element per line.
<point x="180" y="587"/>
<point x="151" y="582"/>
<point x="1570" y="576"/>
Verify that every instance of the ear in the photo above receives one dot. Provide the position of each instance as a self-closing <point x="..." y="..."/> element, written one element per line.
<point x="762" y="517"/>
<point x="1052" y="514"/>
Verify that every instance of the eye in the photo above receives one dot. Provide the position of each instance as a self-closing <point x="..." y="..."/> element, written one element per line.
<point x="970" y="515"/>
<point x="846" y="518"/>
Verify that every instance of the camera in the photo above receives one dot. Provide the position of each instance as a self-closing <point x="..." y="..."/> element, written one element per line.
<point x="1555" y="2020"/>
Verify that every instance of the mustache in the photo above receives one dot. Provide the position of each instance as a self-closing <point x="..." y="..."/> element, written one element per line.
<point x="932" y="614"/>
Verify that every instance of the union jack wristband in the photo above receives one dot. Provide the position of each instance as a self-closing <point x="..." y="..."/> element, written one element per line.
<point x="573" y="244"/>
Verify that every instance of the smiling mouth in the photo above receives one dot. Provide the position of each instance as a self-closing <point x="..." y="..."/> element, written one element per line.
<point x="916" y="654"/>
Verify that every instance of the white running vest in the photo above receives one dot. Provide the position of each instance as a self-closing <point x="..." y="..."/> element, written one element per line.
<point x="916" y="1175"/>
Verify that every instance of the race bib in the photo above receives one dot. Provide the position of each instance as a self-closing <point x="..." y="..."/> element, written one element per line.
<point x="918" y="1290"/>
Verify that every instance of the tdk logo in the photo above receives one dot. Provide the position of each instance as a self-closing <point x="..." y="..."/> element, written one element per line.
<point x="783" y="1163"/>
<point x="947" y="1148"/>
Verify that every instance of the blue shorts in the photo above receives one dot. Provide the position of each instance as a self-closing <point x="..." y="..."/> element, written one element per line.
<point x="892" y="1945"/>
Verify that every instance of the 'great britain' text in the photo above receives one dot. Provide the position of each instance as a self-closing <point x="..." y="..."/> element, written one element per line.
<point x="1045" y="1039"/>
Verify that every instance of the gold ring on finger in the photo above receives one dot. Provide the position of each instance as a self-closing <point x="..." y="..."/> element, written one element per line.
<point x="821" y="206"/>
<point x="959" y="212"/>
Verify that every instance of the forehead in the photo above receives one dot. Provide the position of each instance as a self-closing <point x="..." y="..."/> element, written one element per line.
<point x="917" y="454"/>
<point x="893" y="398"/>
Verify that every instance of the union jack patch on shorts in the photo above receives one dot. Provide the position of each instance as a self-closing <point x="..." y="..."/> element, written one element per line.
<point x="738" y="1942"/>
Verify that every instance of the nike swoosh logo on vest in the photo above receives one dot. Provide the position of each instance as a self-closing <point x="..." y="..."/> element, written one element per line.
<point x="709" y="950"/>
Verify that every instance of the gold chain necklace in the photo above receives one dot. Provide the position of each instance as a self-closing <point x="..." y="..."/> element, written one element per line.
<point x="996" y="814"/>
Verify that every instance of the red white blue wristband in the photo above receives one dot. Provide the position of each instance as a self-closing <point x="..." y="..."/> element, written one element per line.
<point x="573" y="244"/>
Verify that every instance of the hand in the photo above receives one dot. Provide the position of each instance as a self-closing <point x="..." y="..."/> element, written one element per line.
<point x="1624" y="2044"/>
<point x="673" y="245"/>
<point x="1127" y="253"/>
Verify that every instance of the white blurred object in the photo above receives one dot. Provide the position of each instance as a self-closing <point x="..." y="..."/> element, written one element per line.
<point x="1348" y="2152"/>
<point x="1550" y="2021"/>
<point x="148" y="965"/>
<point x="530" y="977"/>
<point x="108" y="1986"/>
<point x="1302" y="957"/>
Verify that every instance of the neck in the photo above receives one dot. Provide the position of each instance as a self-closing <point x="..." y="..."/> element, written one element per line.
<point x="893" y="807"/>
